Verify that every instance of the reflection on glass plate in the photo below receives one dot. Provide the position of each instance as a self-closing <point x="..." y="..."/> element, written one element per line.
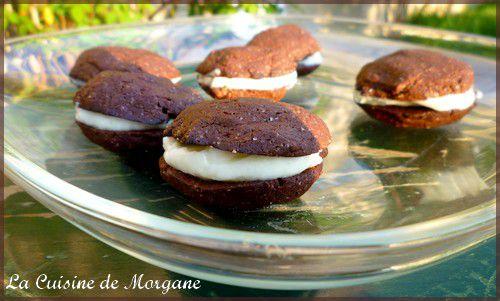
<point x="388" y="199"/>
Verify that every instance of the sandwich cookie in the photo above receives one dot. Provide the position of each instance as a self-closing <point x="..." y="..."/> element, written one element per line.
<point x="124" y="111"/>
<point x="416" y="88"/>
<point x="295" y="42"/>
<point x="92" y="61"/>
<point x="235" y="72"/>
<point x="244" y="154"/>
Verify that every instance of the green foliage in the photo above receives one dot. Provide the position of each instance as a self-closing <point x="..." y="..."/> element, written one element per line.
<point x="479" y="19"/>
<point x="220" y="9"/>
<point x="23" y="19"/>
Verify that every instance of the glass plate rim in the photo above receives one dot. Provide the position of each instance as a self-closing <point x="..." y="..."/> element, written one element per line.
<point x="166" y="228"/>
<point x="485" y="40"/>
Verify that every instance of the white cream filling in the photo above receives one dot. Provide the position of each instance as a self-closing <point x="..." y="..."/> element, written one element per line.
<point x="312" y="60"/>
<point x="77" y="82"/>
<point x="209" y="163"/>
<point x="213" y="80"/>
<point x="111" y="123"/>
<point x="175" y="80"/>
<point x="442" y="103"/>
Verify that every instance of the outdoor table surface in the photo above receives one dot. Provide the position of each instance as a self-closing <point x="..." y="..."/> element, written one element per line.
<point x="36" y="241"/>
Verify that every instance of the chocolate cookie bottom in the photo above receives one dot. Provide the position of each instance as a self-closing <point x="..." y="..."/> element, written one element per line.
<point x="225" y="93"/>
<point x="414" y="117"/>
<point x="305" y="70"/>
<point x="239" y="196"/>
<point x="125" y="141"/>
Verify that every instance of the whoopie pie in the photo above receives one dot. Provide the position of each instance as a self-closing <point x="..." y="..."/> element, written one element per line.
<point x="243" y="154"/>
<point x="248" y="71"/>
<point x="416" y="88"/>
<point x="294" y="42"/>
<point x="116" y="58"/>
<point x="126" y="111"/>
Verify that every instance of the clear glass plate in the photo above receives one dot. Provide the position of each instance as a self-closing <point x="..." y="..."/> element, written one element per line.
<point x="389" y="200"/>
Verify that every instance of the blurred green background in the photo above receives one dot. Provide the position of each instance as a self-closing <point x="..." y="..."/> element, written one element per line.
<point x="478" y="19"/>
<point x="23" y="19"/>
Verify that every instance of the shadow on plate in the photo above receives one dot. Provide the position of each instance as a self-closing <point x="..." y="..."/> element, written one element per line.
<point x="425" y="173"/>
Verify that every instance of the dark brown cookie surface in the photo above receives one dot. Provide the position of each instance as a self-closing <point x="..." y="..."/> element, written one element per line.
<point x="414" y="75"/>
<point x="305" y="70"/>
<point x="247" y="62"/>
<point x="124" y="141"/>
<point x="293" y="41"/>
<point x="95" y="60"/>
<point x="252" y="126"/>
<point x="138" y="97"/>
<point x="237" y="196"/>
<point x="414" y="117"/>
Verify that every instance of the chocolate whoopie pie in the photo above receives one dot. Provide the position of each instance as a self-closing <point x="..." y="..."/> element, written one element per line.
<point x="125" y="111"/>
<point x="114" y="58"/>
<point x="244" y="154"/>
<point x="294" y="41"/>
<point x="235" y="72"/>
<point x="416" y="88"/>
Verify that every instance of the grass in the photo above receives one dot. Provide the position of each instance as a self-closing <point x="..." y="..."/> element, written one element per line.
<point x="478" y="19"/>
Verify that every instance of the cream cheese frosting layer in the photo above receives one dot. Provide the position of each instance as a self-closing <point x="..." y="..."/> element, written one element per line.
<point x="312" y="60"/>
<point x="443" y="103"/>
<point x="175" y="80"/>
<point x="77" y="82"/>
<point x="209" y="163"/>
<point x="213" y="80"/>
<point x="111" y="123"/>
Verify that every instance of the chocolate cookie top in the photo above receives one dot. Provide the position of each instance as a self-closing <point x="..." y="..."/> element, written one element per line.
<point x="292" y="40"/>
<point x="414" y="75"/>
<point x="254" y="126"/>
<point x="138" y="97"/>
<point x="247" y="62"/>
<point x="94" y="60"/>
